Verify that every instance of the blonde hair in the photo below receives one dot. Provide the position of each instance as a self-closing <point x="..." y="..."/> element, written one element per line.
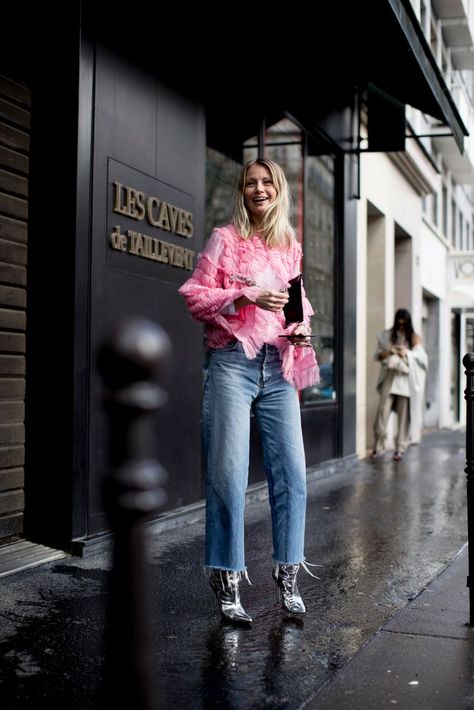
<point x="275" y="226"/>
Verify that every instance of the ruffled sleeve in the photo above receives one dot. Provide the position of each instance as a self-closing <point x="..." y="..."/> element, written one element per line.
<point x="299" y="365"/>
<point x="205" y="293"/>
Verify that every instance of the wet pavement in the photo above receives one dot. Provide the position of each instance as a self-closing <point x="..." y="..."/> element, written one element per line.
<point x="381" y="531"/>
<point x="421" y="659"/>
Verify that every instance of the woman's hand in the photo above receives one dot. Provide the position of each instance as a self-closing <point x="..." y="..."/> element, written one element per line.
<point x="268" y="300"/>
<point x="271" y="300"/>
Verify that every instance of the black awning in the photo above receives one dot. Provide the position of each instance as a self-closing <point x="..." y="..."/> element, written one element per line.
<point x="413" y="76"/>
<point x="375" y="42"/>
<point x="309" y="61"/>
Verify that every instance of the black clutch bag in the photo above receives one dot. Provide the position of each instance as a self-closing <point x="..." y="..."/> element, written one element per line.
<point x="293" y="310"/>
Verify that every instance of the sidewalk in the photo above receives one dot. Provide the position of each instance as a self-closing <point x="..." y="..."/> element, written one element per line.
<point x="387" y="536"/>
<point x="423" y="658"/>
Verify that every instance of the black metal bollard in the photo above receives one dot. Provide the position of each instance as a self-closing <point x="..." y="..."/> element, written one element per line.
<point x="130" y="363"/>
<point x="468" y="362"/>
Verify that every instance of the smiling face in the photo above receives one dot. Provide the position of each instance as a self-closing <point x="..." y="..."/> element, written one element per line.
<point x="259" y="191"/>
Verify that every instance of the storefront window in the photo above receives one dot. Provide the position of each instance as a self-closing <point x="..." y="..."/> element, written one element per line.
<point x="284" y="145"/>
<point x="250" y="149"/>
<point x="222" y="174"/>
<point x="319" y="269"/>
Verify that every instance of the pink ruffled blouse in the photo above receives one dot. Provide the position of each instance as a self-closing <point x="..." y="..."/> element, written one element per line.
<point x="230" y="267"/>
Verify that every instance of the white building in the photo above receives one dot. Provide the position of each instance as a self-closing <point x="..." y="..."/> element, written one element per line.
<point x="416" y="234"/>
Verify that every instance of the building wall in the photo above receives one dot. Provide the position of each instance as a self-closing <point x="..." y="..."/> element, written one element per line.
<point x="155" y="154"/>
<point x="15" y="110"/>
<point x="433" y="257"/>
<point x="389" y="243"/>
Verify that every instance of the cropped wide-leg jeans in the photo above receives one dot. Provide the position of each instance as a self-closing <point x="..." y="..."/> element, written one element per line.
<point x="234" y="386"/>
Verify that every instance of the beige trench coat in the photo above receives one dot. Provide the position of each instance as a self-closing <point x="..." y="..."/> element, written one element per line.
<point x="418" y="365"/>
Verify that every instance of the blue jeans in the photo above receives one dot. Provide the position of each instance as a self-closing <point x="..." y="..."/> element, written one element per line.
<point x="235" y="385"/>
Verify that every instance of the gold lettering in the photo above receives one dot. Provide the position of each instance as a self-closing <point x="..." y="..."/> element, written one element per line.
<point x="135" y="204"/>
<point x="139" y="244"/>
<point x="143" y="245"/>
<point x="155" y="249"/>
<point x="189" y="227"/>
<point x="147" y="245"/>
<point x="133" y="246"/>
<point x="118" y="198"/>
<point x="180" y="229"/>
<point x="132" y="203"/>
<point x="128" y="200"/>
<point x="151" y="204"/>
<point x="117" y="240"/>
<point x="163" y="219"/>
<point x="138" y="205"/>
<point x="173" y="215"/>
<point x="163" y="251"/>
<point x="178" y="257"/>
<point x="171" y="251"/>
<point x="188" y="259"/>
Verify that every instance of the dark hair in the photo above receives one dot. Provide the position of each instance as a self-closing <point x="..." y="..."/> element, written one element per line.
<point x="403" y="314"/>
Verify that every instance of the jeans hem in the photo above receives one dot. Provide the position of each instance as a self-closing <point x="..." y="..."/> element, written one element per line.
<point x="208" y="568"/>
<point x="298" y="562"/>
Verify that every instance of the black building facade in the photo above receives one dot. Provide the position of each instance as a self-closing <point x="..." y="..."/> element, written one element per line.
<point x="121" y="139"/>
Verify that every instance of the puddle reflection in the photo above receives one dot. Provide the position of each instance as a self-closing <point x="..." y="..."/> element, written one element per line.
<point x="284" y="640"/>
<point x="283" y="664"/>
<point x="220" y="680"/>
<point x="238" y="659"/>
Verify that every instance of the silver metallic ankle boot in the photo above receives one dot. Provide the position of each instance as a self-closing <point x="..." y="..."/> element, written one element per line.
<point x="225" y="584"/>
<point x="288" y="594"/>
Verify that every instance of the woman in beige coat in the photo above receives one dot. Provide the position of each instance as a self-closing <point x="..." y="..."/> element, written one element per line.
<point x="400" y="385"/>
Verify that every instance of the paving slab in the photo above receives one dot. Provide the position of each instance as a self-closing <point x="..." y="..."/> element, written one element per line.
<point x="421" y="659"/>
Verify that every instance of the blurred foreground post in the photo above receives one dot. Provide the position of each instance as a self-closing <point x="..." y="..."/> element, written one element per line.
<point x="468" y="362"/>
<point x="130" y="363"/>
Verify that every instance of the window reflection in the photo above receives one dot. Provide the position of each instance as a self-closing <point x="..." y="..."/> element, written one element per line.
<point x="319" y="268"/>
<point x="222" y="174"/>
<point x="284" y="145"/>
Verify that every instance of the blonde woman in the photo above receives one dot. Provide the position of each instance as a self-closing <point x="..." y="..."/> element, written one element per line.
<point x="255" y="361"/>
